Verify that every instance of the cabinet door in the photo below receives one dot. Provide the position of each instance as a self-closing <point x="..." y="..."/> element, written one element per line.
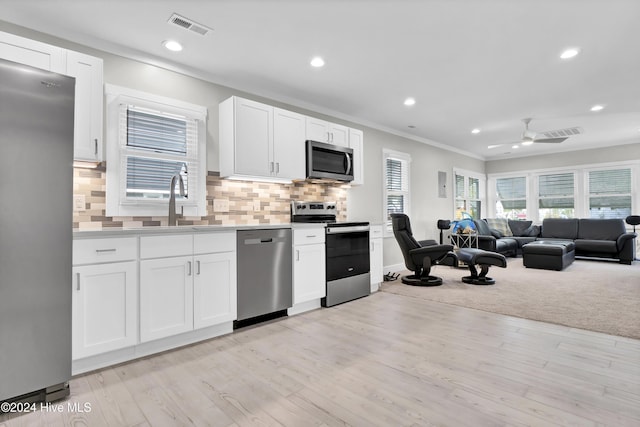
<point x="166" y="297"/>
<point x="355" y="143"/>
<point x="376" y="267"/>
<point x="105" y="304"/>
<point x="31" y="52"/>
<point x="88" y="110"/>
<point x="308" y="273"/>
<point x="288" y="144"/>
<point x="317" y="130"/>
<point x="338" y="134"/>
<point x="253" y="138"/>
<point x="214" y="289"/>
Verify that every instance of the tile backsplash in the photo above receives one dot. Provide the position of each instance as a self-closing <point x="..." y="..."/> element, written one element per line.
<point x="274" y="200"/>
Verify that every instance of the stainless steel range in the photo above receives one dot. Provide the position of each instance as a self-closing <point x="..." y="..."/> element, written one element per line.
<point x="347" y="251"/>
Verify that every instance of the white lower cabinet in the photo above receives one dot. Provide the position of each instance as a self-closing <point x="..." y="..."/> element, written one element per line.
<point x="105" y="305"/>
<point x="376" y="257"/>
<point x="309" y="273"/>
<point x="214" y="290"/>
<point x="166" y="297"/>
<point x="192" y="291"/>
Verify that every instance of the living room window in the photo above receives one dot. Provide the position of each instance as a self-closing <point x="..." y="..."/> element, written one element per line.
<point x="151" y="139"/>
<point x="511" y="197"/>
<point x="396" y="191"/>
<point x="556" y="196"/>
<point x="610" y="193"/>
<point x="469" y="193"/>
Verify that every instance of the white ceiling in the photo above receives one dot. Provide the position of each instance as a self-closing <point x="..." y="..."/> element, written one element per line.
<point x="468" y="63"/>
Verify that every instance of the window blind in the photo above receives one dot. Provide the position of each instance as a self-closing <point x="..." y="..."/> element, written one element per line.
<point x="556" y="191"/>
<point x="397" y="179"/>
<point x="151" y="178"/>
<point x="396" y="190"/>
<point x="512" y="192"/>
<point x="610" y="193"/>
<point x="157" y="132"/>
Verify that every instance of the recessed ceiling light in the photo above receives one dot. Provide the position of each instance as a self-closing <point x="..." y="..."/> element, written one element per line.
<point x="317" y="62"/>
<point x="570" y="53"/>
<point x="597" y="107"/>
<point x="476" y="130"/>
<point x="172" y="45"/>
<point x="409" y="101"/>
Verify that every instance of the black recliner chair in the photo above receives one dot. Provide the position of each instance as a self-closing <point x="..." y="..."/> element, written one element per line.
<point x="419" y="256"/>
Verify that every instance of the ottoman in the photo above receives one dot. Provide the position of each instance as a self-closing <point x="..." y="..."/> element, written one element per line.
<point x="548" y="255"/>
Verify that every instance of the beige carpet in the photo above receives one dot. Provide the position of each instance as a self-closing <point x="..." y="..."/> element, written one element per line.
<point x="598" y="296"/>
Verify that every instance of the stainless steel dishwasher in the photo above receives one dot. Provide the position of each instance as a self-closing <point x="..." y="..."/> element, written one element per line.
<point x="264" y="273"/>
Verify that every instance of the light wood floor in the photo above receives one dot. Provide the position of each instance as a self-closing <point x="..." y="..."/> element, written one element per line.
<point x="384" y="360"/>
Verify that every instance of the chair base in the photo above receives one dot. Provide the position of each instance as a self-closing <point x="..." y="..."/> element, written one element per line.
<point x="478" y="280"/>
<point x="415" y="280"/>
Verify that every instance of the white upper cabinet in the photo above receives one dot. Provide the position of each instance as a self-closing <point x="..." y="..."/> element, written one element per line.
<point x="288" y="144"/>
<point x="356" y="137"/>
<point x="33" y="53"/>
<point x="88" y="109"/>
<point x="323" y="131"/>
<point x="260" y="141"/>
<point x="88" y="72"/>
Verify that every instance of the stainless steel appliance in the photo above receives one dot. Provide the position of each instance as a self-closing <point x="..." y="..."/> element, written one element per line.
<point x="328" y="161"/>
<point x="347" y="251"/>
<point x="36" y="184"/>
<point x="264" y="274"/>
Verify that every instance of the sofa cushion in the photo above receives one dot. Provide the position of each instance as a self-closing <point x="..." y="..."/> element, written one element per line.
<point x="600" y="229"/>
<point x="596" y="247"/>
<point x="520" y="228"/>
<point x="559" y="228"/>
<point x="500" y="224"/>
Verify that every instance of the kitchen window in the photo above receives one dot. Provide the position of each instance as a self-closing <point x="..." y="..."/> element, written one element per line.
<point x="396" y="191"/>
<point x="150" y="139"/>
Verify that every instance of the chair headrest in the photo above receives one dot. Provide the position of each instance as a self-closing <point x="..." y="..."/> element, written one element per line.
<point x="633" y="220"/>
<point x="400" y="222"/>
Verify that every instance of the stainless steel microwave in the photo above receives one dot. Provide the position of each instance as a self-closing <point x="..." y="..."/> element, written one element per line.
<point x="328" y="161"/>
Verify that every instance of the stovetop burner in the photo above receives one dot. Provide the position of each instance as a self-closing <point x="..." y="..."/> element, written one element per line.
<point x="319" y="212"/>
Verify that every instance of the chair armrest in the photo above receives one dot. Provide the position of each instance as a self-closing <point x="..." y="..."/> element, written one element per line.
<point x="429" y="242"/>
<point x="487" y="243"/>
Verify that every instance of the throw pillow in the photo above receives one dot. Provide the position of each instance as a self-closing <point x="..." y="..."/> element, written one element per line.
<point x="520" y="228"/>
<point x="501" y="225"/>
<point x="495" y="233"/>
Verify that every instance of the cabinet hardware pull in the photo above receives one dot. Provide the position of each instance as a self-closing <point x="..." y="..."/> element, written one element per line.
<point x="188" y="268"/>
<point x="311" y="236"/>
<point x="297" y="255"/>
<point x="77" y="281"/>
<point x="271" y="167"/>
<point x="95" y="143"/>
<point x="198" y="268"/>
<point x="101" y="251"/>
<point x="277" y="167"/>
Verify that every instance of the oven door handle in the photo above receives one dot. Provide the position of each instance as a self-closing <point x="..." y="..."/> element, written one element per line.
<point x="352" y="229"/>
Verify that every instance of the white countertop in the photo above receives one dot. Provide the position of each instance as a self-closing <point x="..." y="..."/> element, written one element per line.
<point x="123" y="231"/>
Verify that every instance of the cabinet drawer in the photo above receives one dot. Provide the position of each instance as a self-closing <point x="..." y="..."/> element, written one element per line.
<point x="165" y="246"/>
<point x="308" y="236"/>
<point x="208" y="243"/>
<point x="375" y="232"/>
<point x="95" y="251"/>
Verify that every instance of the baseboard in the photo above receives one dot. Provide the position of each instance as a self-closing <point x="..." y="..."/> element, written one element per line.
<point x="394" y="268"/>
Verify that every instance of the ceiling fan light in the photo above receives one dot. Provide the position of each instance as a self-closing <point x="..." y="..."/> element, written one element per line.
<point x="527" y="142"/>
<point x="597" y="107"/>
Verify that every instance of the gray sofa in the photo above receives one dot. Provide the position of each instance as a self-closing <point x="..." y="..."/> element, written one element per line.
<point x="596" y="238"/>
<point x="599" y="238"/>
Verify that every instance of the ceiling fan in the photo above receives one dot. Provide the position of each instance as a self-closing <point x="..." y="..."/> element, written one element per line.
<point x="551" y="136"/>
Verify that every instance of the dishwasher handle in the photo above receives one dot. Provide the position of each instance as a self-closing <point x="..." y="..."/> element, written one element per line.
<point x="258" y="241"/>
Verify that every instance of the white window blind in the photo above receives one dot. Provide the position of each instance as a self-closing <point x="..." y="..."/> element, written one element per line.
<point x="556" y="196"/>
<point x="396" y="166"/>
<point x="610" y="193"/>
<point x="511" y="197"/>
<point x="155" y="146"/>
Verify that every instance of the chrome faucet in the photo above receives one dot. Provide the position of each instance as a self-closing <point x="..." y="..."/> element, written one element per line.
<point x="173" y="220"/>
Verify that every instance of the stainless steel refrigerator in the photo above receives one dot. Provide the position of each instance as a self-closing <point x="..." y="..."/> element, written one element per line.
<point x="36" y="185"/>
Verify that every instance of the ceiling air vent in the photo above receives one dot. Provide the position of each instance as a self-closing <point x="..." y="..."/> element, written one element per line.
<point x="560" y="133"/>
<point x="188" y="24"/>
